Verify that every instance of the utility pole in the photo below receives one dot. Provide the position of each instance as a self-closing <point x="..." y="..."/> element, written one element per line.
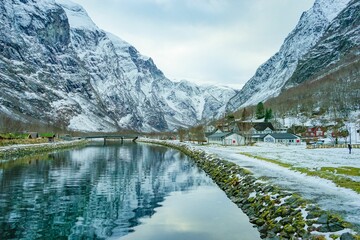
<point x="350" y="133"/>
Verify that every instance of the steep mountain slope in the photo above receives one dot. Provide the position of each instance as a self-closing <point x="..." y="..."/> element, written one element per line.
<point x="270" y="77"/>
<point x="326" y="82"/>
<point x="337" y="48"/>
<point x="58" y="67"/>
<point x="325" y="86"/>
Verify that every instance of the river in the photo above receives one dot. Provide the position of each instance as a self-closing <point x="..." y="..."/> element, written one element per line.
<point x="117" y="191"/>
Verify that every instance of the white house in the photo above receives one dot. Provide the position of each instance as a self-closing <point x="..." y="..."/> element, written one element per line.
<point x="234" y="139"/>
<point x="285" y="138"/>
<point x="226" y="138"/>
<point x="210" y="128"/>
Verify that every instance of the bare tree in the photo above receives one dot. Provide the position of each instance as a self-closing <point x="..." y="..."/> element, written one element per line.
<point x="182" y="133"/>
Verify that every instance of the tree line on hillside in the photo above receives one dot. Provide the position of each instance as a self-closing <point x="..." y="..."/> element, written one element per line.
<point x="11" y="125"/>
<point x="334" y="95"/>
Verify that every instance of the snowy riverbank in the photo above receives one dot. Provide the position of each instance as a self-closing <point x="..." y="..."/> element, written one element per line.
<point x="313" y="189"/>
<point x="325" y="193"/>
<point x="25" y="149"/>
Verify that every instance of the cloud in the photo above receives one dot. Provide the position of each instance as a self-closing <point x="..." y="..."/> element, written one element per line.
<point x="214" y="41"/>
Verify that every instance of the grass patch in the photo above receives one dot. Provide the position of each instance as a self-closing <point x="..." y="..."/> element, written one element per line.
<point x="8" y="142"/>
<point x="338" y="180"/>
<point x="350" y="171"/>
<point x="329" y="173"/>
<point x="286" y="165"/>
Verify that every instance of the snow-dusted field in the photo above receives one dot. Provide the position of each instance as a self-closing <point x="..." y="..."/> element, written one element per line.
<point x="299" y="156"/>
<point x="321" y="191"/>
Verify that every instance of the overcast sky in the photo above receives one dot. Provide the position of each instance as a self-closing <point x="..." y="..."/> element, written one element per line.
<point x="204" y="41"/>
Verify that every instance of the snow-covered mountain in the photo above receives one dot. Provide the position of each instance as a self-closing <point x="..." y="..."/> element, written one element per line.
<point x="58" y="67"/>
<point x="338" y="49"/>
<point x="271" y="76"/>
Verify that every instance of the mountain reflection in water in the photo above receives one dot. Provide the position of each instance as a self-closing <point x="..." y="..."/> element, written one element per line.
<point x="95" y="192"/>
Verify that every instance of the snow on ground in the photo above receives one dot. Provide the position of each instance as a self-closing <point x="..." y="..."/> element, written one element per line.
<point x="299" y="156"/>
<point x="321" y="191"/>
<point x="35" y="145"/>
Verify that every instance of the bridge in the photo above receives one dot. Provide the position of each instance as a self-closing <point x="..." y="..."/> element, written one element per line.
<point x="132" y="137"/>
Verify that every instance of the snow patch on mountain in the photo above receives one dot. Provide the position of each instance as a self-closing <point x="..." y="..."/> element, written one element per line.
<point x="77" y="16"/>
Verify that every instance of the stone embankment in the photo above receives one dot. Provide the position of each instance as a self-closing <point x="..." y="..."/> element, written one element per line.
<point x="277" y="214"/>
<point x="15" y="151"/>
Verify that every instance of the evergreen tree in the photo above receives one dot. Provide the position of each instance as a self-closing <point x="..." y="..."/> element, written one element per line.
<point x="260" y="111"/>
<point x="268" y="114"/>
<point x="230" y="118"/>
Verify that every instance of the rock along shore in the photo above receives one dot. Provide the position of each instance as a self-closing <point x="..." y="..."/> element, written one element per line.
<point x="15" y="151"/>
<point x="276" y="213"/>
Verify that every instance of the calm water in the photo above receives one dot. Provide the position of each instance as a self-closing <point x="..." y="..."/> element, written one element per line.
<point x="129" y="191"/>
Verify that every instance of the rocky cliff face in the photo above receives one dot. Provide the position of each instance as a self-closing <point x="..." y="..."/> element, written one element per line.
<point x="58" y="67"/>
<point x="271" y="77"/>
<point x="338" y="48"/>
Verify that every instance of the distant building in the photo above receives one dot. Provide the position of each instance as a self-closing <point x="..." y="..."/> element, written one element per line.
<point x="315" y="132"/>
<point x="279" y="128"/>
<point x="253" y="131"/>
<point x="285" y="138"/>
<point x="49" y="136"/>
<point x="257" y="137"/>
<point x="33" y="135"/>
<point x="226" y="138"/>
<point x="210" y="128"/>
<point x="262" y="128"/>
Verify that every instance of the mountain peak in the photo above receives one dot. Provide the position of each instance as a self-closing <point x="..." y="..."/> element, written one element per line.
<point x="330" y="8"/>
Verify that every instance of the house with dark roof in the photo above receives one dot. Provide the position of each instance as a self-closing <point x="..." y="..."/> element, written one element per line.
<point x="284" y="138"/>
<point x="226" y="138"/>
<point x="253" y="131"/>
<point x="257" y="137"/>
<point x="262" y="128"/>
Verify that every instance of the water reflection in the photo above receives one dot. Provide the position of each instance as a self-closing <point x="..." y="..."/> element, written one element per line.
<point x="91" y="193"/>
<point x="204" y="213"/>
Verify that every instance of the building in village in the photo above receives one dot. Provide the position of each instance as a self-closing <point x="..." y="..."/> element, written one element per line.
<point x="253" y="131"/>
<point x="262" y="128"/>
<point x="284" y="138"/>
<point x="210" y="128"/>
<point x="33" y="135"/>
<point x="225" y="138"/>
<point x="246" y="132"/>
<point x="315" y="132"/>
<point x="49" y="136"/>
<point x="279" y="128"/>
